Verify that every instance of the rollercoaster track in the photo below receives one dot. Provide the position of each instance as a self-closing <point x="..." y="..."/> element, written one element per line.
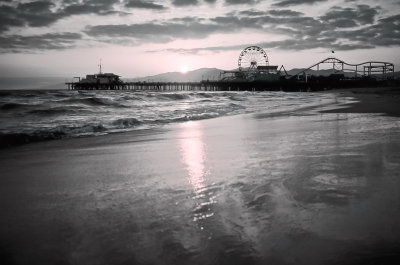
<point x="386" y="66"/>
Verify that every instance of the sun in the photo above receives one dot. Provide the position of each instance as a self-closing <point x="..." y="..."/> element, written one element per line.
<point x="184" y="69"/>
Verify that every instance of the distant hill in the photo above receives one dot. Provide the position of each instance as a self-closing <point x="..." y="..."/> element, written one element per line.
<point x="214" y="74"/>
<point x="190" y="76"/>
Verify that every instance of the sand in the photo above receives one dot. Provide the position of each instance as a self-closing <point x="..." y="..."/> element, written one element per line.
<point x="384" y="100"/>
<point x="304" y="188"/>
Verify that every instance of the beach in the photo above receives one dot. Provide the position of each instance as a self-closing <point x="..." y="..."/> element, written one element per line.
<point x="383" y="100"/>
<point x="314" y="185"/>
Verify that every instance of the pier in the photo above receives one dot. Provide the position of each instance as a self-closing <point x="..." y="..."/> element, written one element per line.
<point x="182" y="86"/>
<point x="310" y="84"/>
<point x="255" y="74"/>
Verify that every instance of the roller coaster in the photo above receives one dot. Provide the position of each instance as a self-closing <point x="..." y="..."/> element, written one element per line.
<point x="380" y="70"/>
<point x="253" y="65"/>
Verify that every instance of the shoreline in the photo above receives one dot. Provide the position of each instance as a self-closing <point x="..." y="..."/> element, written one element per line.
<point x="382" y="100"/>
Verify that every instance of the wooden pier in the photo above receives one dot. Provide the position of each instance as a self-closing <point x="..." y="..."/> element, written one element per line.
<point x="282" y="85"/>
<point x="162" y="86"/>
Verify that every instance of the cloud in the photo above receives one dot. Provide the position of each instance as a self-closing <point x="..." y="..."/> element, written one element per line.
<point x="144" y="5"/>
<point x="34" y="14"/>
<point x="285" y="13"/>
<point x="288" y="44"/>
<point x="37" y="14"/>
<point x="49" y="41"/>
<point x="339" y="29"/>
<point x="9" y="18"/>
<point x="241" y="2"/>
<point x="202" y="49"/>
<point x="184" y="2"/>
<point x="35" y="7"/>
<point x="384" y="33"/>
<point x="268" y="23"/>
<point x="296" y="2"/>
<point x="155" y="32"/>
<point x="45" y="13"/>
<point x="251" y="13"/>
<point x="350" y="17"/>
<point x="187" y="20"/>
<point x="272" y="12"/>
<point x="98" y="7"/>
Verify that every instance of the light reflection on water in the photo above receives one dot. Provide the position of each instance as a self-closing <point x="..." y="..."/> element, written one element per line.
<point x="193" y="157"/>
<point x="192" y="148"/>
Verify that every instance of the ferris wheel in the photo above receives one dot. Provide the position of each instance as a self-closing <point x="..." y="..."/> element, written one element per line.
<point x="252" y="57"/>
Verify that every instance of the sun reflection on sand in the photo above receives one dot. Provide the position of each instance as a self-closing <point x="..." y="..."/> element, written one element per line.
<point x="193" y="156"/>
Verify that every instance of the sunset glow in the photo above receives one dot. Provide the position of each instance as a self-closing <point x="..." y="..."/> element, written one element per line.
<point x="184" y="69"/>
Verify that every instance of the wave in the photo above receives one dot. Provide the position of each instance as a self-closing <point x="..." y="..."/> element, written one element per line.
<point x="104" y="102"/>
<point x="237" y="98"/>
<point x="60" y="114"/>
<point x="173" y="96"/>
<point x="131" y="97"/>
<point x="103" y="127"/>
<point x="95" y="101"/>
<point x="126" y="123"/>
<point x="65" y="93"/>
<point x="52" y="111"/>
<point x="5" y="93"/>
<point x="12" y="139"/>
<point x="203" y="94"/>
<point x="187" y="117"/>
<point x="11" y="106"/>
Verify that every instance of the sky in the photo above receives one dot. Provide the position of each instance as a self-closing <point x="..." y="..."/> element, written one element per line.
<point x="136" y="38"/>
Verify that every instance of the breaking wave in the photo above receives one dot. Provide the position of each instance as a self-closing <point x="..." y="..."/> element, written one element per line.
<point x="52" y="111"/>
<point x="93" y="101"/>
<point x="126" y="122"/>
<point x="29" y="116"/>
<point x="10" y="139"/>
<point x="10" y="106"/>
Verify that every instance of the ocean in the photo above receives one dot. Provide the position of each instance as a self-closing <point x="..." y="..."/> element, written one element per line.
<point x="36" y="115"/>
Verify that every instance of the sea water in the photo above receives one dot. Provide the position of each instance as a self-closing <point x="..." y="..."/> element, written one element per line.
<point x="34" y="115"/>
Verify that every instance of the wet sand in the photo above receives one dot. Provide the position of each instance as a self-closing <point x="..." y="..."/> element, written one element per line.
<point x="383" y="100"/>
<point x="306" y="188"/>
